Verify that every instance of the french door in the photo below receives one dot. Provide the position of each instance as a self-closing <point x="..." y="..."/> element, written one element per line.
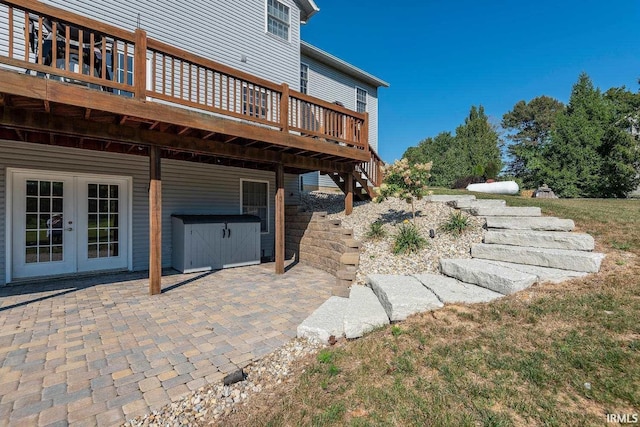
<point x="65" y="223"/>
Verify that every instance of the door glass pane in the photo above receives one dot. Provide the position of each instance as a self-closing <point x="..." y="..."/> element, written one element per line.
<point x="102" y="229"/>
<point x="44" y="221"/>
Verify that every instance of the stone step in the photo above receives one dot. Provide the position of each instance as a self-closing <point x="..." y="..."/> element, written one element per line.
<point x="326" y="321"/>
<point x="487" y="275"/>
<point x="350" y="258"/>
<point x="452" y="291"/>
<point x="444" y="198"/>
<point x="364" y="313"/>
<point x="541" y="239"/>
<point x="471" y="203"/>
<point x="563" y="259"/>
<point x="519" y="211"/>
<point x="545" y="274"/>
<point x="402" y="296"/>
<point x="545" y="223"/>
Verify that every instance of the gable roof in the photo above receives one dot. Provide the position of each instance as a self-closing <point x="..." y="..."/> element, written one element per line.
<point x="337" y="63"/>
<point x="308" y="8"/>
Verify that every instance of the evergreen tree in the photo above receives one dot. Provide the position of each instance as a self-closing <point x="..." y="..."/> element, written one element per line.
<point x="531" y="124"/>
<point x="592" y="152"/>
<point x="572" y="161"/>
<point x="476" y="146"/>
<point x="477" y="143"/>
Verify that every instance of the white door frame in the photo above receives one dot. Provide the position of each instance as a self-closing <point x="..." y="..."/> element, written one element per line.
<point x="10" y="171"/>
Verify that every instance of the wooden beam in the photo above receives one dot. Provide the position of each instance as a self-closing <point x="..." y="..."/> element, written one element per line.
<point x="140" y="66"/>
<point x="62" y="93"/>
<point x="47" y="106"/>
<point x="348" y="190"/>
<point x="20" y="119"/>
<point x="87" y="113"/>
<point x="123" y="119"/>
<point x="279" y="219"/>
<point x="155" y="222"/>
<point x="184" y="130"/>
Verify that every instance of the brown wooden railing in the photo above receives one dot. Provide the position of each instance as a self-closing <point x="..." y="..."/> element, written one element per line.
<point x="373" y="168"/>
<point x="50" y="42"/>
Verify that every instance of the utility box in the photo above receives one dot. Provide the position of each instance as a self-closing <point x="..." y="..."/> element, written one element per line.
<point x="213" y="242"/>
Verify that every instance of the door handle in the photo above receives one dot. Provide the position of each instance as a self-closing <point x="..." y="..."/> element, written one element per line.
<point x="69" y="229"/>
<point x="229" y="233"/>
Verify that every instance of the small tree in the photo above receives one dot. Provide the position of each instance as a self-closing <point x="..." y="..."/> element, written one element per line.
<point x="405" y="181"/>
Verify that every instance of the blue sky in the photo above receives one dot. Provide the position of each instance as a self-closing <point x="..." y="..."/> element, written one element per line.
<point x="441" y="57"/>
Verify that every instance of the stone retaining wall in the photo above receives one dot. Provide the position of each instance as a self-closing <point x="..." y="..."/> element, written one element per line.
<point x="324" y="244"/>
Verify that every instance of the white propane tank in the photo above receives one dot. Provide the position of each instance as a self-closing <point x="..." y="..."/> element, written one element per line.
<point x="503" y="187"/>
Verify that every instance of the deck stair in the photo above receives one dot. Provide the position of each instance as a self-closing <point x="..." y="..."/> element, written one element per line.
<point x="520" y="248"/>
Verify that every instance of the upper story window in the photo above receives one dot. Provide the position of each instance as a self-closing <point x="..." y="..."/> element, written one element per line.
<point x="278" y="19"/>
<point x="361" y="100"/>
<point x="304" y="78"/>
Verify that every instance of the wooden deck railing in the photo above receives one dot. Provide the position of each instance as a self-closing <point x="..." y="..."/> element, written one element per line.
<point x="373" y="168"/>
<point x="53" y="43"/>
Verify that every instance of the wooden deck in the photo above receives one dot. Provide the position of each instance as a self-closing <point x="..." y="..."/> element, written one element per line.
<point x="64" y="81"/>
<point x="67" y="80"/>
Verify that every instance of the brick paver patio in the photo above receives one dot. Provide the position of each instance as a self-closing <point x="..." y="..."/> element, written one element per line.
<point x="100" y="350"/>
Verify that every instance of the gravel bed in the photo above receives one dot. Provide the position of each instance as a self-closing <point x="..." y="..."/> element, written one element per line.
<point x="211" y="402"/>
<point x="376" y="256"/>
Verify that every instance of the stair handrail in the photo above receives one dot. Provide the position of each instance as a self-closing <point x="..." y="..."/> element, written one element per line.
<point x="373" y="168"/>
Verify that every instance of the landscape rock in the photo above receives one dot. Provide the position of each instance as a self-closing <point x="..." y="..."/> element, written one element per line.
<point x="546" y="223"/>
<point x="541" y="239"/>
<point x="364" y="313"/>
<point x="326" y="321"/>
<point x="402" y="296"/>
<point x="494" y="277"/>
<point x="563" y="259"/>
<point x="450" y="290"/>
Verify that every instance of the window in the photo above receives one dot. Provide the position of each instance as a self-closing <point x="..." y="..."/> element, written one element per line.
<point x="255" y="201"/>
<point x="254" y="102"/>
<point x="278" y="19"/>
<point x="304" y="78"/>
<point x="361" y="100"/>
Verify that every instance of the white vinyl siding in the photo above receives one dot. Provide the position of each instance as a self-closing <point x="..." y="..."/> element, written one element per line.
<point x="332" y="85"/>
<point x="187" y="188"/>
<point x="209" y="29"/>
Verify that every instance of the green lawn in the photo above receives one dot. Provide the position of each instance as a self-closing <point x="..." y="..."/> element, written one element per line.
<point x="553" y="355"/>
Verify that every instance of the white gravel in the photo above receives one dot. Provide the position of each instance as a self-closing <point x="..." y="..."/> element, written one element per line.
<point x="376" y="256"/>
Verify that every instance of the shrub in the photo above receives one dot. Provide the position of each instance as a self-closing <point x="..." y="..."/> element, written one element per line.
<point x="456" y="223"/>
<point x="376" y="231"/>
<point x="408" y="239"/>
<point x="408" y="182"/>
<point x="462" y="183"/>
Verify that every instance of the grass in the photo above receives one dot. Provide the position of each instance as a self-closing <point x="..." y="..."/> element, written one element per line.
<point x="456" y="224"/>
<point x="408" y="239"/>
<point x="552" y="355"/>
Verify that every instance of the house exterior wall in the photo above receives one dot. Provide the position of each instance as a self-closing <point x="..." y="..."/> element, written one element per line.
<point x="220" y="30"/>
<point x="186" y="188"/>
<point x="332" y="85"/>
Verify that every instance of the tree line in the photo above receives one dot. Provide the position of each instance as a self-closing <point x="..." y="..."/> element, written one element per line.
<point x="587" y="148"/>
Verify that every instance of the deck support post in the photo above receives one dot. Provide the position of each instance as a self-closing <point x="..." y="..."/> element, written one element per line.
<point x="279" y="219"/>
<point x="348" y="193"/>
<point x="155" y="221"/>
